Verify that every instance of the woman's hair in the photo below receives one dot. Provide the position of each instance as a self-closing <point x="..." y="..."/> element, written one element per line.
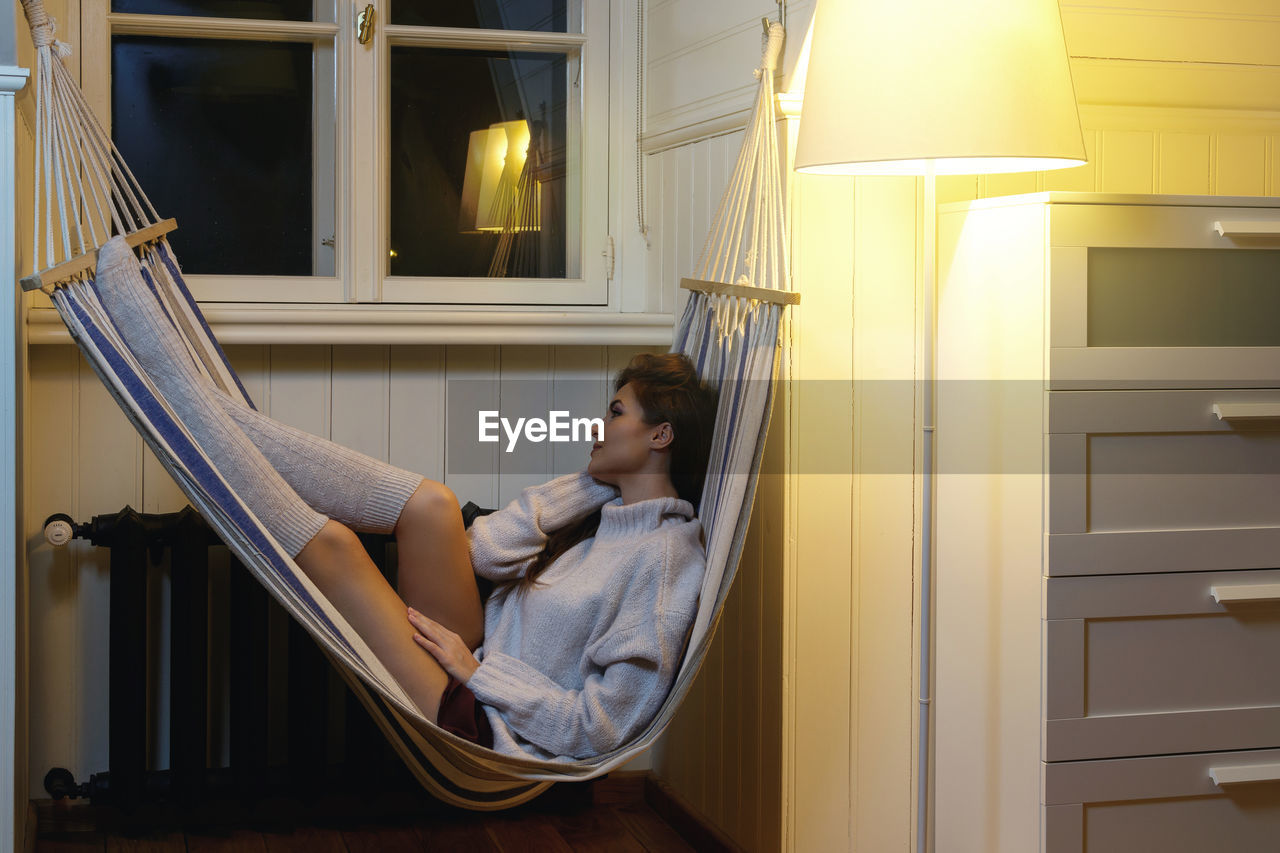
<point x="669" y="391"/>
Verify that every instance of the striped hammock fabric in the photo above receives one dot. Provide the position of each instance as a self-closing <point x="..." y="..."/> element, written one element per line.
<point x="731" y="335"/>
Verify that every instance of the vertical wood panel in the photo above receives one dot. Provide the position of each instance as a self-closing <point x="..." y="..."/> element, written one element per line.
<point x="583" y="388"/>
<point x="360" y="400"/>
<point x="618" y="357"/>
<point x="1127" y="161"/>
<point x="953" y="188"/>
<point x="654" y="199"/>
<point x="53" y="585"/>
<point x="1241" y="164"/>
<point x="417" y="410"/>
<point x="1273" y="165"/>
<point x="774" y="511"/>
<point x="159" y="492"/>
<point x="664" y="234"/>
<point x="820" y="798"/>
<point x="686" y="211"/>
<point x="471" y="375"/>
<point x="250" y="362"/>
<point x="745" y="779"/>
<point x="1013" y="183"/>
<point x="108" y="471"/>
<point x="1184" y="163"/>
<point x="298" y="387"/>
<point x="525" y="391"/>
<point x="732" y="712"/>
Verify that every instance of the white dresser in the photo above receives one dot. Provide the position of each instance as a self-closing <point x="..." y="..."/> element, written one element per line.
<point x="1108" y="525"/>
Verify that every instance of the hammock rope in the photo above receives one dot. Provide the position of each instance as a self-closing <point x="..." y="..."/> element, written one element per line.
<point x="81" y="181"/>
<point x="729" y="327"/>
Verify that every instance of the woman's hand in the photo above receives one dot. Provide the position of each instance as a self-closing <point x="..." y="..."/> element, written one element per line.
<point x="444" y="645"/>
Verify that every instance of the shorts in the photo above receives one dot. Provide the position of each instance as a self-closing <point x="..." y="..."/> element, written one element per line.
<point x="463" y="715"/>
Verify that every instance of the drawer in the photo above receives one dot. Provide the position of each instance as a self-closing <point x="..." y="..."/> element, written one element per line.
<point x="1155" y="297"/>
<point x="1155" y="481"/>
<point x="1151" y="664"/>
<point x="1169" y="804"/>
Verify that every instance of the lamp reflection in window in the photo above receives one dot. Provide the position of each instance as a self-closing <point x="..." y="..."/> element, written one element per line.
<point x="500" y="194"/>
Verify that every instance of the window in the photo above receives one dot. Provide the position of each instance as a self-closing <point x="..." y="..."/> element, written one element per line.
<point x="459" y="156"/>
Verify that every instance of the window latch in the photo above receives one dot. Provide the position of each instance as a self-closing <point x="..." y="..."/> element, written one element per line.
<point x="607" y="254"/>
<point x="364" y="25"/>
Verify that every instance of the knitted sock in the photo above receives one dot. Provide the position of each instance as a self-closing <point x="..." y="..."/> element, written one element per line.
<point x="364" y="493"/>
<point x="153" y="341"/>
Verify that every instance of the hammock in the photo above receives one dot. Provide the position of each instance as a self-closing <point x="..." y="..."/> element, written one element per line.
<point x="730" y="328"/>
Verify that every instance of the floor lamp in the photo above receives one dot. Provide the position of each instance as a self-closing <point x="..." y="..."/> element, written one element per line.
<point x="936" y="87"/>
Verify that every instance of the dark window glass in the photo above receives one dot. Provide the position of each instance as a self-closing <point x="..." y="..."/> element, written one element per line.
<point x="266" y="10"/>
<point x="539" y="15"/>
<point x="219" y="134"/>
<point x="1183" y="297"/>
<point x="440" y="224"/>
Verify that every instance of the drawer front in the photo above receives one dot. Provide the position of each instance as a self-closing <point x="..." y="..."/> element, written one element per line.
<point x="1156" y="481"/>
<point x="1156" y="297"/>
<point x="1169" y="803"/>
<point x="1151" y="664"/>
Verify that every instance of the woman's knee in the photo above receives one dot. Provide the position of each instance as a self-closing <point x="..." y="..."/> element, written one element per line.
<point x="330" y="551"/>
<point x="431" y="503"/>
<point x="333" y="538"/>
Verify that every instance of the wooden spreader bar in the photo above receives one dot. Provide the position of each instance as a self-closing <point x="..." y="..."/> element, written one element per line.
<point x="764" y="294"/>
<point x="69" y="270"/>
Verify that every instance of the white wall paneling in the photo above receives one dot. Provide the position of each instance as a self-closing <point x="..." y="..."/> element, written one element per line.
<point x="700" y="57"/>
<point x="416" y="411"/>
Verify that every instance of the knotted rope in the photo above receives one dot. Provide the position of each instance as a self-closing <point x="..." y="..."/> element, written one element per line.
<point x="43" y="27"/>
<point x="81" y="181"/>
<point x="747" y="241"/>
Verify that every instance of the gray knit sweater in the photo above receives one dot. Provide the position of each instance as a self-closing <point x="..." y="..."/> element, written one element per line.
<point x="581" y="663"/>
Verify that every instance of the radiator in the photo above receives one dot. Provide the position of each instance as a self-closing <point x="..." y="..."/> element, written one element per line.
<point x="304" y="764"/>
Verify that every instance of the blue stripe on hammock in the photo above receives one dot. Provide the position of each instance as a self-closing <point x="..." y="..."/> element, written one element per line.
<point x="171" y="264"/>
<point x="186" y="451"/>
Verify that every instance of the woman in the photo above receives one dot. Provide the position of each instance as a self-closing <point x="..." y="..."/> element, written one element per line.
<point x="599" y="570"/>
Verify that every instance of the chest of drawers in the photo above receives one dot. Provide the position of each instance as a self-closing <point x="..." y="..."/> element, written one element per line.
<point x="1108" y="524"/>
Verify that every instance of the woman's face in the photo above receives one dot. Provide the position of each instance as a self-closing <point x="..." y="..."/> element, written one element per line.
<point x="628" y="440"/>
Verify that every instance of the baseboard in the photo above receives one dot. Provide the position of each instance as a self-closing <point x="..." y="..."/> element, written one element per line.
<point x="692" y="825"/>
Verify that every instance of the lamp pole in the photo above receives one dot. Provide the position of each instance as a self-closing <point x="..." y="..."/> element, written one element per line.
<point x="924" y="781"/>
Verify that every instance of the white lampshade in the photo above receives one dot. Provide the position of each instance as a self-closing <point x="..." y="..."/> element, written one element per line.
<point x="975" y="86"/>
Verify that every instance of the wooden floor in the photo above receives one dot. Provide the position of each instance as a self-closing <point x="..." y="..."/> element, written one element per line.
<point x="611" y="816"/>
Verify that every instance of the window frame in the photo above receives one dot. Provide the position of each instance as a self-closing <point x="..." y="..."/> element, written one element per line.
<point x="362" y="134"/>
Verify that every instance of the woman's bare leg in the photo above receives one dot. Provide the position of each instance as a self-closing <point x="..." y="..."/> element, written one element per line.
<point x="436" y="577"/>
<point x="338" y="564"/>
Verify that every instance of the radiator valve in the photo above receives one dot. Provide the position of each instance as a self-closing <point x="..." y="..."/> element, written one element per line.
<point x="59" y="529"/>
